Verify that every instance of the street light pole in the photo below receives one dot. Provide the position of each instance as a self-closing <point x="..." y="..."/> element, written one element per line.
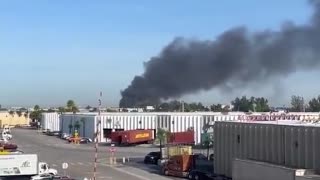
<point x="96" y="137"/>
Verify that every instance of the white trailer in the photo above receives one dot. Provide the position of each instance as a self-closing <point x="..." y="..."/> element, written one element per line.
<point x="23" y="165"/>
<point x="18" y="165"/>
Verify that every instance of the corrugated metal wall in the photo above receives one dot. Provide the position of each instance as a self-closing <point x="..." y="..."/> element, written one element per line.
<point x="50" y="121"/>
<point x="292" y="146"/>
<point x="174" y="122"/>
<point x="87" y="124"/>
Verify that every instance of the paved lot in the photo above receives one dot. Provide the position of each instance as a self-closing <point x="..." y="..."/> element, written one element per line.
<point x="81" y="157"/>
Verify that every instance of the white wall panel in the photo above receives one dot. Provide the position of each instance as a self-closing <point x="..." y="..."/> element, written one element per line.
<point x="50" y="121"/>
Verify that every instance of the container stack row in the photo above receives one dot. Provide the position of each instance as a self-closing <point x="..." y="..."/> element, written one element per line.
<point x="295" y="146"/>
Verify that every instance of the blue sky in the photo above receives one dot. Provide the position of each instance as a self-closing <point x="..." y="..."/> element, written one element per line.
<point x="54" y="50"/>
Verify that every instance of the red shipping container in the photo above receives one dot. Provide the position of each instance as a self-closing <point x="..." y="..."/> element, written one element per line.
<point x="116" y="136"/>
<point x="186" y="137"/>
<point x="132" y="136"/>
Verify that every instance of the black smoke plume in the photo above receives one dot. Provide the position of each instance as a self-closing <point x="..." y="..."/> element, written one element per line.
<point x="235" y="59"/>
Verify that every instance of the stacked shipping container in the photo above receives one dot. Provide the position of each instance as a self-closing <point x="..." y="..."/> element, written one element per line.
<point x="294" y="146"/>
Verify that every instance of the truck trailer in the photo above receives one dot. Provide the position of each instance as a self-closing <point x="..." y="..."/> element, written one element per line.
<point x="132" y="137"/>
<point x="13" y="165"/>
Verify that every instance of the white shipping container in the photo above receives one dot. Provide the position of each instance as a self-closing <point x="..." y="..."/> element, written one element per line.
<point x="290" y="145"/>
<point x="18" y="165"/>
<point x="50" y="121"/>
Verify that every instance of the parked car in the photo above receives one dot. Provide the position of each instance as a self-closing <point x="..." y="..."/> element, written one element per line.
<point x="211" y="157"/>
<point x="7" y="135"/>
<point x="9" y="146"/>
<point x="200" y="156"/>
<point x="64" y="135"/>
<point x="85" y="140"/>
<point x="45" y="130"/>
<point x="152" y="157"/>
<point x="63" y="178"/>
<point x="42" y="177"/>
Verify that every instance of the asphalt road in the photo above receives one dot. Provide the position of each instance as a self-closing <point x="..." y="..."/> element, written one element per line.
<point x="80" y="158"/>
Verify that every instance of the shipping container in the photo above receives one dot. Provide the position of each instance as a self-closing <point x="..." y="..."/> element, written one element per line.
<point x="132" y="136"/>
<point x="253" y="170"/>
<point x="292" y="145"/>
<point x="50" y="121"/>
<point x="186" y="137"/>
<point x="170" y="150"/>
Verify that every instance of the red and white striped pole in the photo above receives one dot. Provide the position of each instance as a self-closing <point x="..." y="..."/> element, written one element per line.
<point x="97" y="139"/>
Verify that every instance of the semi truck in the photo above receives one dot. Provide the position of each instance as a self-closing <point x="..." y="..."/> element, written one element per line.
<point x="132" y="137"/>
<point x="182" y="165"/>
<point x="23" y="165"/>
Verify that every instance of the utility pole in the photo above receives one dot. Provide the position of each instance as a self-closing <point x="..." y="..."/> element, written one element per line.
<point x="182" y="106"/>
<point x="97" y="137"/>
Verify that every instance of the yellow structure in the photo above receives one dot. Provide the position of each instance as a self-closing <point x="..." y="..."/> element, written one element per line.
<point x="13" y="119"/>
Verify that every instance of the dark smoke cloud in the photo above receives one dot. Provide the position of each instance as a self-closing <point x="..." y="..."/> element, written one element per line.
<point x="235" y="59"/>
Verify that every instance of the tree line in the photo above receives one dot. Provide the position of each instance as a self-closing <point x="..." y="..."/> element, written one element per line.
<point x="243" y="104"/>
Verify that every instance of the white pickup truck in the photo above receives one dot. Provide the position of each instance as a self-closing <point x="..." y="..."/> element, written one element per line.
<point x="23" y="165"/>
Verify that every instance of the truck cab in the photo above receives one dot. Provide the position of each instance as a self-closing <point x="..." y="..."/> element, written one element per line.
<point x="44" y="168"/>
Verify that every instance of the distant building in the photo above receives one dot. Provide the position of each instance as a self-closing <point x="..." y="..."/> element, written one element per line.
<point x="13" y="119"/>
<point x="150" y="108"/>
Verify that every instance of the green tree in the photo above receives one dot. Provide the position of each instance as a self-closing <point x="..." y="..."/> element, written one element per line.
<point x="36" y="108"/>
<point x="51" y="110"/>
<point x="314" y="104"/>
<point x="216" y="107"/>
<point x="88" y="107"/>
<point x="297" y="103"/>
<point x="261" y="105"/>
<point x="70" y="128"/>
<point x="72" y="107"/>
<point x="11" y="113"/>
<point x="61" y="110"/>
<point x="83" y="121"/>
<point x="70" y="104"/>
<point x="26" y="115"/>
<point x="243" y="104"/>
<point x="161" y="136"/>
<point x="19" y="113"/>
<point x="77" y="125"/>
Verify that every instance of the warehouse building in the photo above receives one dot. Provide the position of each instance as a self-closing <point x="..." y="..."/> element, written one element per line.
<point x="86" y="123"/>
<point x="292" y="144"/>
<point x="13" y="119"/>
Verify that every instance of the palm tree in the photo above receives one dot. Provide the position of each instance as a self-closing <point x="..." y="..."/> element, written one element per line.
<point x="77" y="125"/>
<point x="19" y="113"/>
<point x="83" y="121"/>
<point x="70" y="105"/>
<point x="36" y="108"/>
<point x="26" y="115"/>
<point x="11" y="113"/>
<point x="161" y="135"/>
<point x="62" y="110"/>
<point x="70" y="128"/>
<point x="74" y="109"/>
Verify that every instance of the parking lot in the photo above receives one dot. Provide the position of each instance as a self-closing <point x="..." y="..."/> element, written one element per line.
<point x="80" y="158"/>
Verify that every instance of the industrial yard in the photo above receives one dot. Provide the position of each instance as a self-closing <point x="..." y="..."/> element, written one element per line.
<point x="160" y="90"/>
